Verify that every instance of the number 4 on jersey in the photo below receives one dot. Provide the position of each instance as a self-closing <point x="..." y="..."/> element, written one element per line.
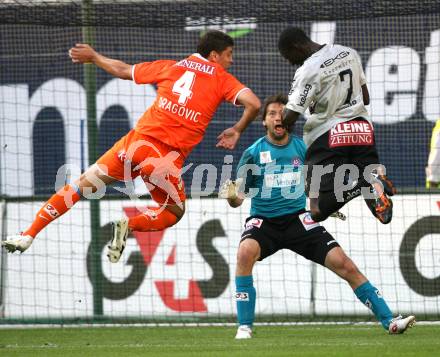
<point x="182" y="87"/>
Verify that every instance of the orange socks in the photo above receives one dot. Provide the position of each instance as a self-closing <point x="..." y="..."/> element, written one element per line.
<point x="146" y="223"/>
<point x="55" y="207"/>
<point x="66" y="197"/>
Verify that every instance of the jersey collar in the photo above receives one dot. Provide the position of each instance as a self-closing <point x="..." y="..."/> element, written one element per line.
<point x="199" y="56"/>
<point x="316" y="53"/>
<point x="277" y="145"/>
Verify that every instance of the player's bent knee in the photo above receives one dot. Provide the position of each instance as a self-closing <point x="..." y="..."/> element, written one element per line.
<point x="245" y="257"/>
<point x="93" y="180"/>
<point x="85" y="186"/>
<point x="349" y="269"/>
<point x="341" y="264"/>
<point x="248" y="252"/>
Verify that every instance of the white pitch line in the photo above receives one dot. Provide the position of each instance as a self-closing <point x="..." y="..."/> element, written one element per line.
<point x="200" y="324"/>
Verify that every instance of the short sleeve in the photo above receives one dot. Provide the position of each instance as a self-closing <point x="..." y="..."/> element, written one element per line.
<point x="147" y="72"/>
<point x="303" y="90"/>
<point x="242" y="172"/>
<point x="231" y="87"/>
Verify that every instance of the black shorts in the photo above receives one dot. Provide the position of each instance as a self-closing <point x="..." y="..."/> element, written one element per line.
<point x="297" y="232"/>
<point x="342" y="147"/>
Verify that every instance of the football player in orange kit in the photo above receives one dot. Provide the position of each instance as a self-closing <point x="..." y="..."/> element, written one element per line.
<point x="188" y="94"/>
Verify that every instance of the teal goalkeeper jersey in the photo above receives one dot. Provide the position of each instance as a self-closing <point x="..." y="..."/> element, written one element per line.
<point x="273" y="176"/>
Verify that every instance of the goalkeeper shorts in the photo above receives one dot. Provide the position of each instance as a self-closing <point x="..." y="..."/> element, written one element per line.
<point x="341" y="146"/>
<point x="296" y="232"/>
<point x="158" y="164"/>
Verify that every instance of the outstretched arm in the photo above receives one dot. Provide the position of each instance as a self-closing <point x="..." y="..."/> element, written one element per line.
<point x="83" y="53"/>
<point x="252" y="106"/>
<point x="229" y="137"/>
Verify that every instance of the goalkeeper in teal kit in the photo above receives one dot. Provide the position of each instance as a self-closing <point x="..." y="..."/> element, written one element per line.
<point x="271" y="172"/>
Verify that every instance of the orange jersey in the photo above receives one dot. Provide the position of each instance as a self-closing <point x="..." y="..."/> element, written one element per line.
<point x="188" y="94"/>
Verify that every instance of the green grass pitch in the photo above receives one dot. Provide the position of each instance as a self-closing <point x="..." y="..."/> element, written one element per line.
<point x="319" y="340"/>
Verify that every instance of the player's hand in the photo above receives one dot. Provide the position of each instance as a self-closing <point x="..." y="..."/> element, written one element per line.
<point x="82" y="53"/>
<point x="228" y="138"/>
<point x="229" y="189"/>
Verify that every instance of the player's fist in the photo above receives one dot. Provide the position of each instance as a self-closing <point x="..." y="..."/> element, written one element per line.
<point x="229" y="189"/>
<point x="82" y="53"/>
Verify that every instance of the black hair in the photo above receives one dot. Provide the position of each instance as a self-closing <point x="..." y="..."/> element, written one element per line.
<point x="289" y="37"/>
<point x="277" y="98"/>
<point x="214" y="40"/>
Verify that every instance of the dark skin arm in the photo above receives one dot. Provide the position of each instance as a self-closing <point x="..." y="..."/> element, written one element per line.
<point x="289" y="118"/>
<point x="365" y="94"/>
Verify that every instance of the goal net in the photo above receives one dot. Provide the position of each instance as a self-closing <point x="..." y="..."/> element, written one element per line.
<point x="56" y="117"/>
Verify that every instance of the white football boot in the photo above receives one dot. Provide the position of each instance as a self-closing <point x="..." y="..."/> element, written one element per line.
<point x="17" y="243"/>
<point x="243" y="332"/>
<point x="119" y="239"/>
<point x="400" y="324"/>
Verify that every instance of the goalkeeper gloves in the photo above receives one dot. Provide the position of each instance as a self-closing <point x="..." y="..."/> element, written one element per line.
<point x="230" y="189"/>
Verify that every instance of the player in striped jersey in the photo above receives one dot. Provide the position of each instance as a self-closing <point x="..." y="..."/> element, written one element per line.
<point x="329" y="87"/>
